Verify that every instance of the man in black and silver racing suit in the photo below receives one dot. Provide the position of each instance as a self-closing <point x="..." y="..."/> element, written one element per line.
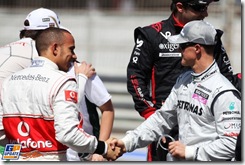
<point x="155" y="63"/>
<point x="205" y="105"/>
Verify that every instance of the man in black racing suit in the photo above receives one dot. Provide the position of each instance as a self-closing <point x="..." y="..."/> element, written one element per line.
<point x="155" y="63"/>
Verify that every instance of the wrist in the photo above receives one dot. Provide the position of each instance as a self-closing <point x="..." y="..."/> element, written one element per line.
<point x="101" y="148"/>
<point x="191" y="152"/>
<point x="82" y="75"/>
<point x="105" y="149"/>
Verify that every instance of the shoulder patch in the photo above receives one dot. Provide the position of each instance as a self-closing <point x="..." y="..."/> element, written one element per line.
<point x="71" y="96"/>
<point x="157" y="26"/>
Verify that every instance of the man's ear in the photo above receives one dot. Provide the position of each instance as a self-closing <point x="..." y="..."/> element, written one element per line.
<point x="198" y="48"/>
<point x="179" y="7"/>
<point x="55" y="49"/>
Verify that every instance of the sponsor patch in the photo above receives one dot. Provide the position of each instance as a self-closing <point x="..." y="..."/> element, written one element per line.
<point x="231" y="134"/>
<point x="37" y="63"/>
<point x="232" y="125"/>
<point x="232" y="106"/>
<point x="169" y="54"/>
<point x="204" y="88"/>
<point x="157" y="26"/>
<point x="46" y="19"/>
<point x="71" y="96"/>
<point x="200" y="96"/>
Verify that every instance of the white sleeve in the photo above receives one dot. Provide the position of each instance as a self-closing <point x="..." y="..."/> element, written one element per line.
<point x="96" y="92"/>
<point x="71" y="72"/>
<point x="68" y="127"/>
<point x="227" y="113"/>
<point x="159" y="123"/>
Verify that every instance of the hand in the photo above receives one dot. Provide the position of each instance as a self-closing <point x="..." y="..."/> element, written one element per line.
<point x="177" y="149"/>
<point x="84" y="68"/>
<point x="97" y="157"/>
<point x="113" y="152"/>
<point x="118" y="143"/>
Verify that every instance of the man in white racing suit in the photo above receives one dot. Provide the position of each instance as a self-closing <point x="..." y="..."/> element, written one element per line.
<point x="42" y="113"/>
<point x="204" y="103"/>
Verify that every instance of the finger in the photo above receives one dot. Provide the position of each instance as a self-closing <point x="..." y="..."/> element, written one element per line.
<point x="112" y="144"/>
<point x="90" y="65"/>
<point x="163" y="139"/>
<point x="75" y="64"/>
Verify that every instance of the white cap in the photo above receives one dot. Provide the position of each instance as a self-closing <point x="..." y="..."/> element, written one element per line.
<point x="200" y="32"/>
<point x="42" y="18"/>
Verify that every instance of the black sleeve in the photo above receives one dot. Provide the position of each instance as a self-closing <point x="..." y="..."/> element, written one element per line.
<point x="139" y="71"/>
<point x="222" y="58"/>
<point x="238" y="148"/>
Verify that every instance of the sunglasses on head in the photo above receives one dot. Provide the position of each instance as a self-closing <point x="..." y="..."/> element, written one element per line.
<point x="183" y="46"/>
<point x="197" y="7"/>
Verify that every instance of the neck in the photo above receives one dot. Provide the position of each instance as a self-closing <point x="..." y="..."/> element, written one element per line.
<point x="202" y="65"/>
<point x="179" y="19"/>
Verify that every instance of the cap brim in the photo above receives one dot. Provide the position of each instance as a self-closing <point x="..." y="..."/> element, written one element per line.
<point x="41" y="28"/>
<point x="177" y="39"/>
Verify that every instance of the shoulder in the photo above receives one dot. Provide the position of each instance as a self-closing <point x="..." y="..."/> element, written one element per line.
<point x="155" y="30"/>
<point x="185" y="76"/>
<point x="23" y="42"/>
<point x="184" y="79"/>
<point x="222" y="85"/>
<point x="150" y="30"/>
<point x="24" y="47"/>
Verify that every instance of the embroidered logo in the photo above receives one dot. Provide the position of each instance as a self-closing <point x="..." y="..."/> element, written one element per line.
<point x="71" y="96"/>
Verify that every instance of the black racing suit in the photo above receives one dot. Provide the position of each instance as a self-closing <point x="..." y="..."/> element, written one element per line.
<point x="155" y="65"/>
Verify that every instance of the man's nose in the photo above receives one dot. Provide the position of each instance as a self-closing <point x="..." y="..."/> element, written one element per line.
<point x="204" y="13"/>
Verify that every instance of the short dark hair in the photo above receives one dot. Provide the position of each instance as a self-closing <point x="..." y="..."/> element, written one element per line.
<point x="209" y="48"/>
<point x="173" y="7"/>
<point x="29" y="33"/>
<point x="46" y="37"/>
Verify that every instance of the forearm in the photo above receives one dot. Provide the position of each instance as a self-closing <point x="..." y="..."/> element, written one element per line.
<point x="150" y="130"/>
<point x="81" y="82"/>
<point x="142" y="100"/>
<point x="107" y="119"/>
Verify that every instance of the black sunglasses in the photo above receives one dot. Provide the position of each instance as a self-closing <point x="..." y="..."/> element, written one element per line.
<point x="197" y="7"/>
<point x="185" y="45"/>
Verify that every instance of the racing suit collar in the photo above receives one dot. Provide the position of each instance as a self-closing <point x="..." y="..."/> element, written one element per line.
<point x="43" y="61"/>
<point x="198" y="77"/>
<point x="177" y="22"/>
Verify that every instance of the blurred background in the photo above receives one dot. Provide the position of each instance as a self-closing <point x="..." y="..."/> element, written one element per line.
<point x="103" y="30"/>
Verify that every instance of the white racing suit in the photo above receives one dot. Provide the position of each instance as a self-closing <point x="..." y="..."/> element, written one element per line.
<point x="40" y="113"/>
<point x="16" y="56"/>
<point x="207" y="108"/>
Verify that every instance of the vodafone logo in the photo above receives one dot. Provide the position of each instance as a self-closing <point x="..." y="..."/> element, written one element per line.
<point x="72" y="94"/>
<point x="23" y="129"/>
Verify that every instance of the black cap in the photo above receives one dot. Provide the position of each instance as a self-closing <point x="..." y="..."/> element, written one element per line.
<point x="201" y="2"/>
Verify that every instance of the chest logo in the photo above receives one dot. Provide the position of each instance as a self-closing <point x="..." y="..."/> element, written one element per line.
<point x="23" y="129"/>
